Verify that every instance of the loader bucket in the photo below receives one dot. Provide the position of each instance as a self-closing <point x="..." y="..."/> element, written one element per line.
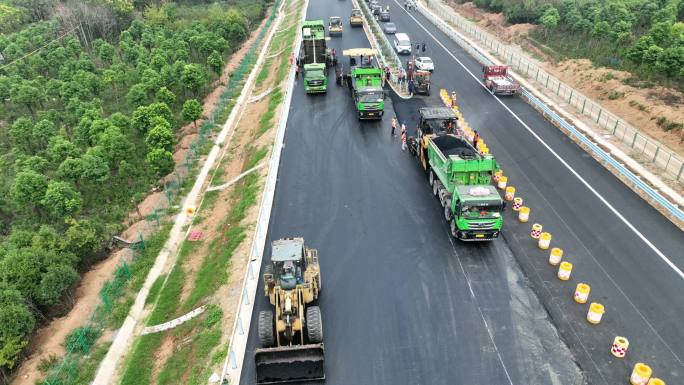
<point x="289" y="364"/>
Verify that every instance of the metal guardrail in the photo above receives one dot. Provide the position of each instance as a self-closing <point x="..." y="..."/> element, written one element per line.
<point x="553" y="116"/>
<point x="654" y="151"/>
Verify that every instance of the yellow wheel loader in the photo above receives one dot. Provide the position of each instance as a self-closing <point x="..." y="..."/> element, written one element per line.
<point x="291" y="335"/>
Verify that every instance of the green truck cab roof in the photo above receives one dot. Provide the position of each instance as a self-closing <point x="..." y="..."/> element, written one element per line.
<point x="314" y="66"/>
<point x="483" y="194"/>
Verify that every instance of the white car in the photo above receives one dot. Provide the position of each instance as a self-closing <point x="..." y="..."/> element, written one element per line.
<point x="424" y="63"/>
<point x="402" y="43"/>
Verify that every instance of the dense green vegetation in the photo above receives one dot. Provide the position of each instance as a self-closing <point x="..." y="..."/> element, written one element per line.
<point x="643" y="36"/>
<point x="89" y="114"/>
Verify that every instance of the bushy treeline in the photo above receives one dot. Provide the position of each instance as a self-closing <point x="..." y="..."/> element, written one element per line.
<point x="642" y="35"/>
<point x="87" y="124"/>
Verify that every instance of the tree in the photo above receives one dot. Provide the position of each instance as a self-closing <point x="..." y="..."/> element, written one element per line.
<point x="215" y="62"/>
<point x="71" y="169"/>
<point x="28" y="94"/>
<point x="192" y="110"/>
<point x="61" y="200"/>
<point x="670" y="61"/>
<point x="549" y="19"/>
<point x="106" y="52"/>
<point x="161" y="136"/>
<point x="83" y="237"/>
<point x="160" y="161"/>
<point x="137" y="95"/>
<point x="165" y="96"/>
<point x="95" y="167"/>
<point x="42" y="132"/>
<point x="16" y="324"/>
<point x="161" y="110"/>
<point x="54" y="282"/>
<point x="193" y="77"/>
<point x="28" y="188"/>
<point x="20" y="134"/>
<point x="115" y="145"/>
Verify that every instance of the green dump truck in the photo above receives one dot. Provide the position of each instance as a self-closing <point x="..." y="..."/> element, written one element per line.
<point x="459" y="175"/>
<point x="315" y="57"/>
<point x="365" y="83"/>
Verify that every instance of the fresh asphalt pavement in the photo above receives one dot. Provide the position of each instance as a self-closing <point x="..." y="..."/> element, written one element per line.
<point x="402" y="303"/>
<point x="641" y="292"/>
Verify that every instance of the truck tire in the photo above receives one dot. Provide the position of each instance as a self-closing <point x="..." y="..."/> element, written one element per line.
<point x="432" y="178"/>
<point x="453" y="229"/>
<point x="427" y="91"/>
<point x="314" y="325"/>
<point x="435" y="188"/>
<point x="447" y="213"/>
<point x="266" y="328"/>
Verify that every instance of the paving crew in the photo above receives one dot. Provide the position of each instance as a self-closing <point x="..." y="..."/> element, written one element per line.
<point x="338" y="76"/>
<point x="423" y="47"/>
<point x="394" y="124"/>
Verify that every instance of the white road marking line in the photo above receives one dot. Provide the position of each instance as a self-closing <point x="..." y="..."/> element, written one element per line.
<point x="596" y="193"/>
<point x="575" y="173"/>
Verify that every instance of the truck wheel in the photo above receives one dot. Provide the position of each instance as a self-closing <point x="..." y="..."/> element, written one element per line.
<point x="432" y="178"/>
<point x="268" y="268"/>
<point x="453" y="228"/>
<point x="314" y="325"/>
<point x="266" y="328"/>
<point x="435" y="188"/>
<point x="447" y="213"/>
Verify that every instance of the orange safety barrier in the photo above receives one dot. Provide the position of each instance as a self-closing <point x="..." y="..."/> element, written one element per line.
<point x="517" y="203"/>
<point x="510" y="193"/>
<point x="524" y="214"/>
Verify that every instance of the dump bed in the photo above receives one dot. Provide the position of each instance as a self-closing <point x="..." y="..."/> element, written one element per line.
<point x="313" y="42"/>
<point x="456" y="162"/>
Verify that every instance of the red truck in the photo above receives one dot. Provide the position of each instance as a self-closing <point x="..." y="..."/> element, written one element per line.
<point x="498" y="82"/>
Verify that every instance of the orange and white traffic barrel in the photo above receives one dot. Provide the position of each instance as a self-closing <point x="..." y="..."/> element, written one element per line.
<point x="502" y="182"/>
<point x="497" y="175"/>
<point x="517" y="203"/>
<point x="656" y="381"/>
<point x="564" y="271"/>
<point x="640" y="374"/>
<point x="619" y="348"/>
<point x="595" y="313"/>
<point x="510" y="193"/>
<point x="536" y="231"/>
<point x="524" y="214"/>
<point x="555" y="256"/>
<point x="582" y="293"/>
<point x="544" y="240"/>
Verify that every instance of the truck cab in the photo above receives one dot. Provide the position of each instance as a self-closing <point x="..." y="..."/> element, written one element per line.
<point x="365" y="83"/>
<point x="498" y="81"/>
<point x="477" y="213"/>
<point x="315" y="79"/>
